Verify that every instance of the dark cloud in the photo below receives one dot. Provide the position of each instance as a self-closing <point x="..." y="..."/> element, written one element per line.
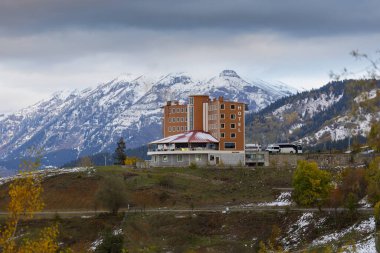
<point x="309" y="17"/>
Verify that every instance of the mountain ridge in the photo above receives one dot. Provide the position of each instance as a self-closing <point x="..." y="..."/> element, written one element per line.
<point x="91" y="120"/>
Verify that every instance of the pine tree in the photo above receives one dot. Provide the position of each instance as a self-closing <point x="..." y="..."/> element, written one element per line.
<point x="120" y="155"/>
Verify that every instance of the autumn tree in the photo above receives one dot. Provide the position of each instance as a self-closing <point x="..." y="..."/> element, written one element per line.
<point x="25" y="200"/>
<point x="85" y="162"/>
<point x="373" y="178"/>
<point x="377" y="212"/>
<point x="373" y="137"/>
<point x="311" y="185"/>
<point x="119" y="155"/>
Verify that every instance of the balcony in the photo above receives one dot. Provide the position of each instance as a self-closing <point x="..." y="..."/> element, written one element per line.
<point x="181" y="148"/>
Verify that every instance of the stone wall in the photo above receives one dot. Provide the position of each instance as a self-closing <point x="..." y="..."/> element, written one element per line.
<point x="324" y="160"/>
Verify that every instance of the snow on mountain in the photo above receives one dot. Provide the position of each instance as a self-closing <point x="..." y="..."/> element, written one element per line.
<point x="332" y="113"/>
<point x="92" y="120"/>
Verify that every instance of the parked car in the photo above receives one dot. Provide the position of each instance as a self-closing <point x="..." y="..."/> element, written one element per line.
<point x="252" y="147"/>
<point x="273" y="149"/>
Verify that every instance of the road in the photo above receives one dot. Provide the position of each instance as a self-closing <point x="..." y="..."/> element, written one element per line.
<point x="209" y="209"/>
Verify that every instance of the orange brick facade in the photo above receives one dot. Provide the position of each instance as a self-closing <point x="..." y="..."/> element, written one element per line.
<point x="222" y="119"/>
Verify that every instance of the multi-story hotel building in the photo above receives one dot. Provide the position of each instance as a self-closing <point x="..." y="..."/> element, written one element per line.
<point x="203" y="131"/>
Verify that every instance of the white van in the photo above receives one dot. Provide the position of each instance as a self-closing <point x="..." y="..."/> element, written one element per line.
<point x="273" y="148"/>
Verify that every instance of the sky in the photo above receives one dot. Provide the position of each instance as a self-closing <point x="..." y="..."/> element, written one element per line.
<point x="52" y="45"/>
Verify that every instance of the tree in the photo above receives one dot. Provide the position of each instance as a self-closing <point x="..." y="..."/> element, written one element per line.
<point x="373" y="178"/>
<point x="25" y="200"/>
<point x="377" y="212"/>
<point x="85" y="162"/>
<point x="373" y="138"/>
<point x="112" y="194"/>
<point x="311" y="185"/>
<point x="120" y="155"/>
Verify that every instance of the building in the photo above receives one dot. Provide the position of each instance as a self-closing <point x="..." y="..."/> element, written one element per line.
<point x="204" y="131"/>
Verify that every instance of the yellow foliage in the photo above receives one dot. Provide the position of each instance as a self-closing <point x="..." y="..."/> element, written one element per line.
<point x="46" y="243"/>
<point x="25" y="200"/>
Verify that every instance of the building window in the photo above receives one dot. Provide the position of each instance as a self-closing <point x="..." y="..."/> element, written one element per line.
<point x="191" y="101"/>
<point x="222" y="116"/>
<point x="173" y="119"/>
<point x="182" y="119"/>
<point x="179" y="158"/>
<point x="169" y="129"/>
<point x="173" y="110"/>
<point x="178" y="128"/>
<point x="222" y="107"/>
<point x="229" y="145"/>
<point x="233" y="116"/>
<point x="177" y="110"/>
<point x="233" y="135"/>
<point x="182" y="128"/>
<point x="198" y="158"/>
<point x="164" y="158"/>
<point x="232" y="107"/>
<point x="222" y="126"/>
<point x="182" y="110"/>
<point x="185" y="128"/>
<point x="221" y="135"/>
<point x="233" y="126"/>
<point x="155" y="158"/>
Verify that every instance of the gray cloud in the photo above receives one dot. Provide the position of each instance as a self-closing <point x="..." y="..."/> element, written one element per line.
<point x="298" y="18"/>
<point x="49" y="45"/>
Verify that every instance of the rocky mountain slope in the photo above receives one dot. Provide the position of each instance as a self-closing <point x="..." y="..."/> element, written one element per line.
<point x="77" y="123"/>
<point x="335" y="112"/>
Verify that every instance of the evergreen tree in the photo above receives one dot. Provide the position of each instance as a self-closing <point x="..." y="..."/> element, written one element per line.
<point x="120" y="155"/>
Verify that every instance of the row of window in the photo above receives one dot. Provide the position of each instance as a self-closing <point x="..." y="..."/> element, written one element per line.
<point x="178" y="119"/>
<point x="223" y="126"/>
<point x="222" y="107"/>
<point x="222" y="116"/>
<point x="177" y="129"/>
<point x="178" y="110"/>
<point x="164" y="158"/>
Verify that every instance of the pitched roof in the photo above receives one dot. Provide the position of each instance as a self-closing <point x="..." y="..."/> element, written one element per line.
<point x="188" y="137"/>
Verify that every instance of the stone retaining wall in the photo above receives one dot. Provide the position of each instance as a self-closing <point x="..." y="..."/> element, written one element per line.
<point x="324" y="160"/>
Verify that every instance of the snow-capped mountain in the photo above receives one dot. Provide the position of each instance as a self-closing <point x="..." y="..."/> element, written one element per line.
<point x="333" y="113"/>
<point x="90" y="121"/>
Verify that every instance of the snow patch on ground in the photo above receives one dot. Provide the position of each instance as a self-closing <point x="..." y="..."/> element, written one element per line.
<point x="364" y="227"/>
<point x="284" y="199"/>
<point x="368" y="245"/>
<point x="49" y="173"/>
<point x="364" y="202"/>
<point x="297" y="230"/>
<point x="95" y="244"/>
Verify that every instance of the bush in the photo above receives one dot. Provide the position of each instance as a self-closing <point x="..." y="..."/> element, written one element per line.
<point x="311" y="185"/>
<point x="112" y="243"/>
<point x="166" y="182"/>
<point x="193" y="166"/>
<point x="112" y="194"/>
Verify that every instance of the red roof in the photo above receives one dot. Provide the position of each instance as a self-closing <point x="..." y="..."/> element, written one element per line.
<point x="188" y="137"/>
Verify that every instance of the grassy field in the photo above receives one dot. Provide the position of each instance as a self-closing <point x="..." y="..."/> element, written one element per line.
<point x="165" y="187"/>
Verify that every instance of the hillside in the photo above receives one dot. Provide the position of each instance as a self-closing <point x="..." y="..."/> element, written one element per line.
<point x="255" y="209"/>
<point x="78" y="123"/>
<point x="333" y="113"/>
